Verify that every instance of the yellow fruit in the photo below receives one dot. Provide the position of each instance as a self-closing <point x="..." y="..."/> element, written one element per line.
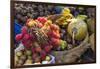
<point x="66" y="11"/>
<point x="31" y="23"/>
<point x="29" y="61"/>
<point x="79" y="28"/>
<point x="29" y="57"/>
<point x="20" y="62"/>
<point x="28" y="52"/>
<point x="19" y="53"/>
<point x="16" y="60"/>
<point x="23" y="57"/>
<point x="65" y="18"/>
<point x="47" y="58"/>
<point x="48" y="23"/>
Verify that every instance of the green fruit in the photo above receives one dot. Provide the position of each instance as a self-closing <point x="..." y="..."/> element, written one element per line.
<point x="23" y="57"/>
<point x="29" y="57"/>
<point x="78" y="28"/>
<point x="28" y="52"/>
<point x="82" y="17"/>
<point x="63" y="44"/>
<point x="28" y="61"/>
<point x="20" y="62"/>
<point x="91" y="25"/>
<point x="92" y="41"/>
<point x="16" y="58"/>
<point x="19" y="53"/>
<point x="47" y="58"/>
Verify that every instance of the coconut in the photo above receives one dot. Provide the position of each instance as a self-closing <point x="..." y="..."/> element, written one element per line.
<point x="77" y="29"/>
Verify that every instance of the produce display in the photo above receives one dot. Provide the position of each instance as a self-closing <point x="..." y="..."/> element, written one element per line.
<point x="53" y="34"/>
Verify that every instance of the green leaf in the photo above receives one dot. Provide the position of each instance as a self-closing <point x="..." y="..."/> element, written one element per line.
<point x="83" y="17"/>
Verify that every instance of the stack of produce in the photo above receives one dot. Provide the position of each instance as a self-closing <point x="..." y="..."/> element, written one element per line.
<point x="43" y="33"/>
<point x="39" y="36"/>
